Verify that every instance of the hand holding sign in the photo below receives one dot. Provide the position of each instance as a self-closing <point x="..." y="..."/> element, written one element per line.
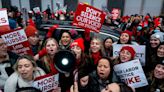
<point x="140" y="51"/>
<point x="17" y="42"/>
<point x="88" y="17"/>
<point x="131" y="73"/>
<point x="47" y="82"/>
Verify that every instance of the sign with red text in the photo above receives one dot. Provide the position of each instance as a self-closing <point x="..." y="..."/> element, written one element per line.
<point x="139" y="49"/>
<point x="88" y="17"/>
<point x="36" y="10"/>
<point x="3" y="17"/>
<point x="131" y="73"/>
<point x="115" y="13"/>
<point x="17" y="42"/>
<point x="47" y="82"/>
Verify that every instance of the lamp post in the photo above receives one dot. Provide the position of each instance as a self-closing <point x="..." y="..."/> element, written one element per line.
<point x="142" y="6"/>
<point x="20" y="4"/>
<point x="52" y="6"/>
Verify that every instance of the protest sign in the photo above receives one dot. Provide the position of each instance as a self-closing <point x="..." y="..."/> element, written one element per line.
<point x="47" y="82"/>
<point x="17" y="42"/>
<point x="131" y="73"/>
<point x="3" y="17"/>
<point x="88" y="17"/>
<point x="139" y="49"/>
<point x="4" y="22"/>
<point x="115" y="13"/>
<point x="36" y="9"/>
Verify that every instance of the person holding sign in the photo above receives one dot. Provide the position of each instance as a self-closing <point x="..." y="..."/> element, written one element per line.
<point x="127" y="53"/>
<point x="156" y="78"/>
<point x="26" y="71"/>
<point x="33" y="38"/>
<point x="7" y="60"/>
<point x="126" y="56"/>
<point x="49" y="34"/>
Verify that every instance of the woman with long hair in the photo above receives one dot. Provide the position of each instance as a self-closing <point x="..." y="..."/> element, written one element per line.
<point x="26" y="71"/>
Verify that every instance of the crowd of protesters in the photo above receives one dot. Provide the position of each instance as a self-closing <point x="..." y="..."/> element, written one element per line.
<point x="94" y="63"/>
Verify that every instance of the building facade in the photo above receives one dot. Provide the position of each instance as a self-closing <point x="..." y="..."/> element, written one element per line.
<point x="127" y="7"/>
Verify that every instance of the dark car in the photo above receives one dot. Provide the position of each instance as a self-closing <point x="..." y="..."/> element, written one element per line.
<point x="67" y="25"/>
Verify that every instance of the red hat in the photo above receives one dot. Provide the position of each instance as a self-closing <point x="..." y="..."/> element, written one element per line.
<point x="129" y="33"/>
<point x="147" y="17"/>
<point x="130" y="49"/>
<point x="31" y="30"/>
<point x="157" y="22"/>
<point x="125" y="18"/>
<point x="74" y="33"/>
<point x="79" y="42"/>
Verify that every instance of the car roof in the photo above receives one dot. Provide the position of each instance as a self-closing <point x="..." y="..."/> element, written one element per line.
<point x="67" y="25"/>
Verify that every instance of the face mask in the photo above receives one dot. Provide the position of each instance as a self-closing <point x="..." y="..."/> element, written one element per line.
<point x="156" y="30"/>
<point x="139" y="28"/>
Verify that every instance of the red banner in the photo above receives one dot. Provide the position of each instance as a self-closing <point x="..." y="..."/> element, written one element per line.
<point x="88" y="17"/>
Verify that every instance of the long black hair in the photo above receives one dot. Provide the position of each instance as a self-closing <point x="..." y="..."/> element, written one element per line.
<point x="111" y="67"/>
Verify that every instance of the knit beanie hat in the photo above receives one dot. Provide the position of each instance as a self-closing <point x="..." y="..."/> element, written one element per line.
<point x="31" y="30"/>
<point x="74" y="33"/>
<point x="129" y="33"/>
<point x="159" y="35"/>
<point x="78" y="42"/>
<point x="130" y="49"/>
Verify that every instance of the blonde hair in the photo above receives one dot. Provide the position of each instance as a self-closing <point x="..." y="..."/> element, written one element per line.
<point x="49" y="39"/>
<point x="102" y="50"/>
<point x="28" y="57"/>
<point x="46" y="59"/>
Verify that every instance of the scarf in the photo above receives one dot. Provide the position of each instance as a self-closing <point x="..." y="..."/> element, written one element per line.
<point x="96" y="56"/>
